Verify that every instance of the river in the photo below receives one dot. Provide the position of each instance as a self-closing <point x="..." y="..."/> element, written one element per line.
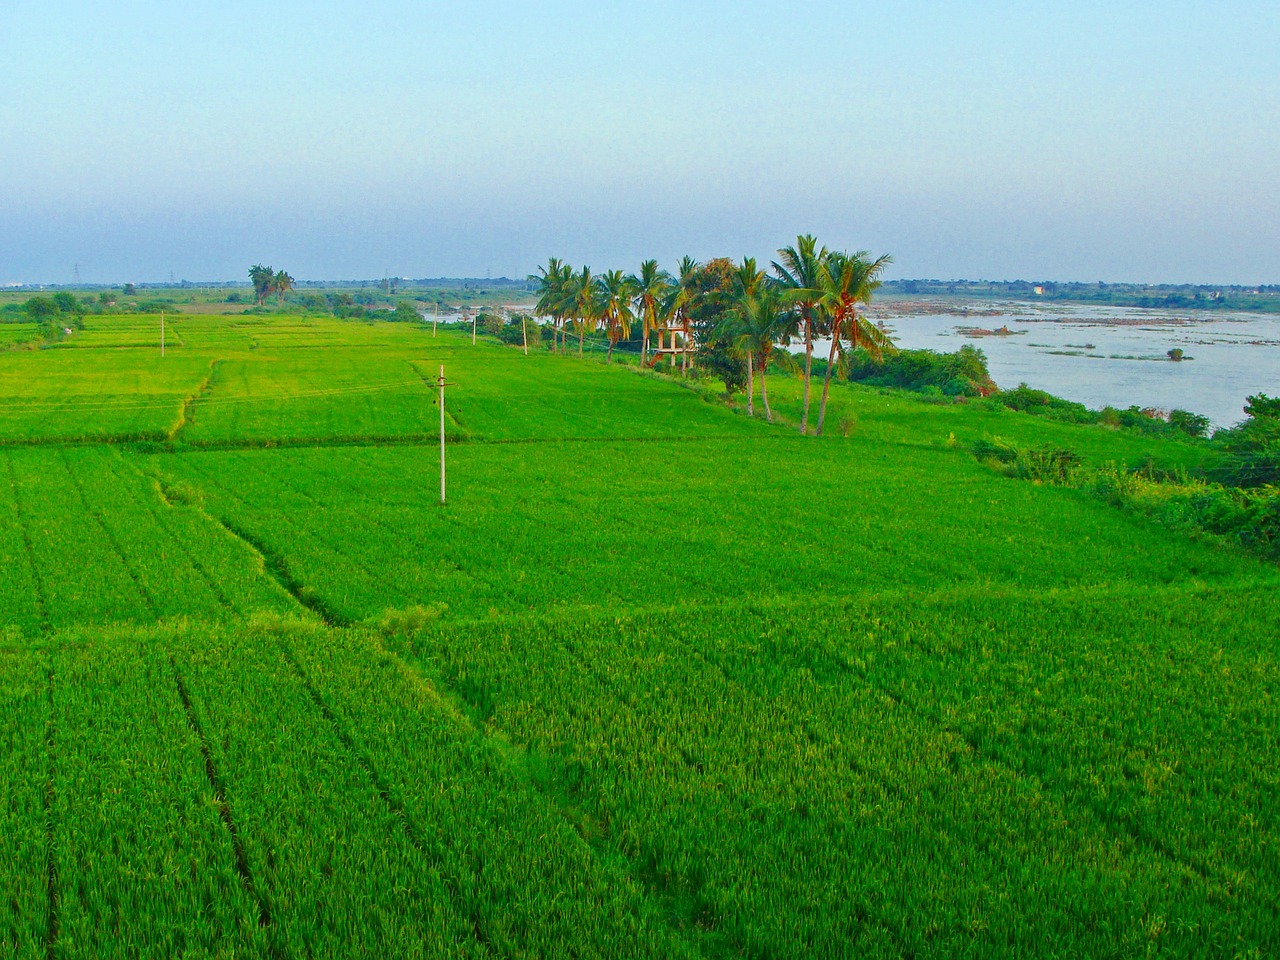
<point x="1099" y="355"/>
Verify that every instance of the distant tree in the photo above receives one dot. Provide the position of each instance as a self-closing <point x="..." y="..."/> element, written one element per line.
<point x="614" y="292"/>
<point x="67" y="303"/>
<point x="681" y="298"/>
<point x="489" y="322"/>
<point x="406" y="313"/>
<point x="846" y="281"/>
<point x="129" y="290"/>
<point x="282" y="283"/>
<point x="1176" y="354"/>
<point x="651" y="286"/>
<point x="40" y="309"/>
<point x="263" y="279"/>
<point x="552" y="287"/>
<point x="753" y="327"/>
<point x="585" y="308"/>
<point x="798" y="271"/>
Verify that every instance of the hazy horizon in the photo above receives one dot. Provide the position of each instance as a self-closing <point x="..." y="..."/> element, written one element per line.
<point x="1069" y="142"/>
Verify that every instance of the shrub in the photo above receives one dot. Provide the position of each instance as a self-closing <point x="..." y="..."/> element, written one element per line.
<point x="1192" y="424"/>
<point x="393" y="622"/>
<point x="489" y="323"/>
<point x="1046" y="465"/>
<point x="995" y="448"/>
<point x="963" y="373"/>
<point x="513" y="333"/>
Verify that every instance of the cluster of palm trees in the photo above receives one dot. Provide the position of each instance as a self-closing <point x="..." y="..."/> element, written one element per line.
<point x="267" y="281"/>
<point x="612" y="300"/>
<point x="812" y="294"/>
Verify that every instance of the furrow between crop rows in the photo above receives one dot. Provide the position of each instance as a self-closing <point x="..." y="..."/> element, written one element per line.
<point x="525" y="872"/>
<point x="762" y="752"/>
<point x="394" y="806"/>
<point x="22" y="523"/>
<point x="243" y="870"/>
<point x="132" y="481"/>
<point x="114" y="541"/>
<point x="52" y="893"/>
<point x="187" y="415"/>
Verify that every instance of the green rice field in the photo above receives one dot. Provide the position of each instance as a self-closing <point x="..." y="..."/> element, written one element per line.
<point x="660" y="680"/>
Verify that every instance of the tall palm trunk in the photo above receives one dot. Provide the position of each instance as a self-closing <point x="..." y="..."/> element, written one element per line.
<point x="751" y="387"/>
<point x="808" y="373"/>
<point x="582" y="336"/>
<point x="826" y="379"/>
<point x="764" y="391"/>
<point x="644" y="348"/>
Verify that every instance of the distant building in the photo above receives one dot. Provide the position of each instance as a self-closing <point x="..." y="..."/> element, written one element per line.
<point x="1039" y="291"/>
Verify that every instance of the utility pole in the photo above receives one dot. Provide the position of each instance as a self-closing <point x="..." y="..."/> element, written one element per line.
<point x="442" y="383"/>
<point x="524" y="332"/>
<point x="473" y="325"/>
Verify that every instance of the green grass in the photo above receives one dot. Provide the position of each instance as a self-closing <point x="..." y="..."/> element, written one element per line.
<point x="663" y="681"/>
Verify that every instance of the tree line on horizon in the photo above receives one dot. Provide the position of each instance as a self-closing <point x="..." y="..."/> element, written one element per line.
<point x="721" y="310"/>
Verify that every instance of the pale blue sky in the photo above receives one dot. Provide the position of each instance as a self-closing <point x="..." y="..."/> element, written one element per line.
<point x="1058" y="140"/>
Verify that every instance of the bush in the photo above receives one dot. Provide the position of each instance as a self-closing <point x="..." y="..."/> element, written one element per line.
<point x="489" y="324"/>
<point x="513" y="333"/>
<point x="1192" y="424"/>
<point x="1026" y="399"/>
<point x="405" y="313"/>
<point x="995" y="448"/>
<point x="715" y="358"/>
<point x="960" y="374"/>
<point x="410" y="620"/>
<point x="1046" y="465"/>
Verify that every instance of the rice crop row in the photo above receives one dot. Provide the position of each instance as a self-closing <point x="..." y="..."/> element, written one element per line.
<point x="231" y="792"/>
<point x="729" y="779"/>
<point x="88" y="539"/>
<point x="750" y="766"/>
<point x="24" y="774"/>
<point x="145" y="864"/>
<point x="614" y="525"/>
<point x="335" y="870"/>
<point x="485" y="822"/>
<point x="1159" y="721"/>
<point x="62" y="394"/>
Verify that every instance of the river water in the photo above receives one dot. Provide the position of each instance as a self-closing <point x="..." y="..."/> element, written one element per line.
<point x="1099" y="356"/>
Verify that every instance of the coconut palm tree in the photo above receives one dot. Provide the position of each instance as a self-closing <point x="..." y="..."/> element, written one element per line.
<point x="583" y="297"/>
<point x="753" y="325"/>
<point x="613" y="295"/>
<point x="553" y="282"/>
<point x="847" y="280"/>
<point x="747" y="279"/>
<point x="282" y="283"/>
<point x="798" y="274"/>
<point x="263" y="279"/>
<point x="651" y="286"/>
<point x="675" y="307"/>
